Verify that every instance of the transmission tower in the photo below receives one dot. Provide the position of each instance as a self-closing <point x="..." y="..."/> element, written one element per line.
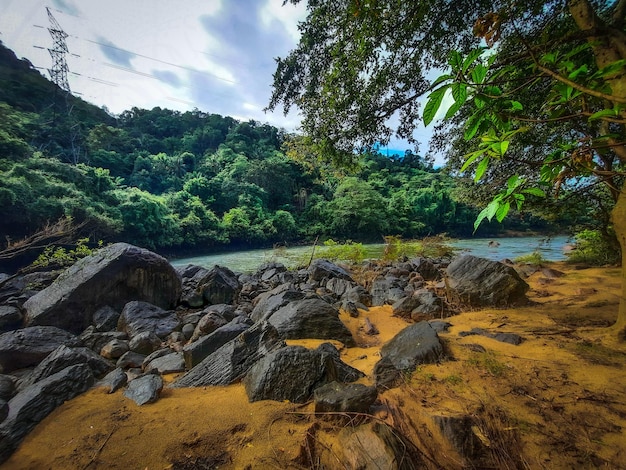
<point x="59" y="70"/>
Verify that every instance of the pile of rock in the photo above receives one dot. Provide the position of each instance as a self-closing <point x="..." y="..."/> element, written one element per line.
<point x="125" y="316"/>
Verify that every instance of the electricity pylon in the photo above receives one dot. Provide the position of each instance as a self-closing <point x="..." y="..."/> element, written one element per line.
<point x="59" y="70"/>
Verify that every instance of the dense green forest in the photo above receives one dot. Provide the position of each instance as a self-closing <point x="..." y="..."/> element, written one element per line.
<point x="196" y="181"/>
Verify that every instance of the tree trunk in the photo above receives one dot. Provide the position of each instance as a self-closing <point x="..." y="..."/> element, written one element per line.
<point x="619" y="224"/>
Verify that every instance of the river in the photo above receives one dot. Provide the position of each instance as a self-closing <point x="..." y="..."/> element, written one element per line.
<point x="248" y="261"/>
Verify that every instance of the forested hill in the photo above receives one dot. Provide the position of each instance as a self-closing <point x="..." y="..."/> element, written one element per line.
<point x="169" y="180"/>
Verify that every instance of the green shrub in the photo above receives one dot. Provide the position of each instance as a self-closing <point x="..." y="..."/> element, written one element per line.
<point x="430" y="247"/>
<point x="59" y="257"/>
<point x="535" y="258"/>
<point x="348" y="251"/>
<point x="593" y="248"/>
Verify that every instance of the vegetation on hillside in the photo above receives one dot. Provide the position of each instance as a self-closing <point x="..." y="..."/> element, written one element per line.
<point x="163" y="179"/>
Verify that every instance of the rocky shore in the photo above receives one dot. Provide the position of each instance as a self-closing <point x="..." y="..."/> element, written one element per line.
<point x="124" y="317"/>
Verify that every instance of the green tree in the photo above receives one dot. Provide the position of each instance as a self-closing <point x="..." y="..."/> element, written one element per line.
<point x="358" y="209"/>
<point x="360" y="63"/>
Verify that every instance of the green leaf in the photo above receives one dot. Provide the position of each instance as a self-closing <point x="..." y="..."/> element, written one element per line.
<point x="502" y="211"/>
<point x="472" y="124"/>
<point x="535" y="192"/>
<point x="433" y="104"/>
<point x="459" y="92"/>
<point x="481" y="168"/>
<point x="441" y="78"/>
<point x="471" y="58"/>
<point x="601" y="114"/>
<point x="611" y="69"/>
<point x="470" y="158"/>
<point x="479" y="73"/>
<point x="516" y="106"/>
<point x="453" y="109"/>
<point x="455" y="60"/>
<point x="513" y="182"/>
<point x="487" y="213"/>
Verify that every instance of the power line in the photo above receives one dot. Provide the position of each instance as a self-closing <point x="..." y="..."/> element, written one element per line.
<point x="158" y="60"/>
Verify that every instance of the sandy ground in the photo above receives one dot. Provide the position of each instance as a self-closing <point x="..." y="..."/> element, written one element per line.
<point x="557" y="401"/>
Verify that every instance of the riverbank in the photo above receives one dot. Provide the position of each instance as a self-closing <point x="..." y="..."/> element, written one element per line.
<point x="557" y="400"/>
<point x="551" y="248"/>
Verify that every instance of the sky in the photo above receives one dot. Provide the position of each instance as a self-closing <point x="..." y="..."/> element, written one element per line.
<point x="213" y="55"/>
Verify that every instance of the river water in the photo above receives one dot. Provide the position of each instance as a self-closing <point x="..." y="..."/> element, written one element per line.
<point x="248" y="261"/>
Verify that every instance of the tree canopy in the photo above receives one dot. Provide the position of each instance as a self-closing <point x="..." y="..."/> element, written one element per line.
<point x="538" y="87"/>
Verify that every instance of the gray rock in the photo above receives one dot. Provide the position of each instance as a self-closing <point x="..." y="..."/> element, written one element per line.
<point x="387" y="290"/>
<point x="350" y="308"/>
<point x="29" y="346"/>
<point x="155" y="355"/>
<point x="322" y="269"/>
<point x="63" y="357"/>
<point x="34" y="403"/>
<point x="232" y="361"/>
<point x="344" y="398"/>
<point x="113" y="276"/>
<point x="4" y="410"/>
<point x="339" y="286"/>
<point x="96" y="340"/>
<point x="370" y="446"/>
<point x="205" y="287"/>
<point x="138" y="317"/>
<point x="10" y="317"/>
<point x="480" y="282"/>
<point x="167" y="364"/>
<point x="130" y="360"/>
<point x="405" y="306"/>
<point x="144" y="343"/>
<point x="194" y="353"/>
<point x="7" y="386"/>
<point x="105" y="318"/>
<point x="291" y="373"/>
<point x="311" y="318"/>
<point x="144" y="389"/>
<point x="426" y="269"/>
<point x="358" y="295"/>
<point x="114" y="380"/>
<point x="510" y="338"/>
<point x="440" y="326"/>
<point x="269" y="302"/>
<point x="208" y="324"/>
<point x="188" y="330"/>
<point x="114" y="349"/>
<point x="416" y="344"/>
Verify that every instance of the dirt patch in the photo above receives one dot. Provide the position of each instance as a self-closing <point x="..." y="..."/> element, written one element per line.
<point x="557" y="400"/>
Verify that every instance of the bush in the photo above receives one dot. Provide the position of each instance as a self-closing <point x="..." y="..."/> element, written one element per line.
<point x="348" y="251"/>
<point x="593" y="248"/>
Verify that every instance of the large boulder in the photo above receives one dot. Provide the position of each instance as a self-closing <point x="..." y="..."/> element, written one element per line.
<point x="34" y="403"/>
<point x="311" y="318"/>
<point x="232" y="361"/>
<point x="267" y="303"/>
<point x="387" y="290"/>
<point x="10" y="317"/>
<point x="201" y="286"/>
<point x="139" y="317"/>
<point x="479" y="282"/>
<point x="29" y="346"/>
<point x="416" y="344"/>
<point x="293" y="373"/>
<point x="144" y="389"/>
<point x="194" y="353"/>
<point x="112" y="276"/>
<point x="63" y="357"/>
<point x="322" y="269"/>
<point x="336" y="397"/>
